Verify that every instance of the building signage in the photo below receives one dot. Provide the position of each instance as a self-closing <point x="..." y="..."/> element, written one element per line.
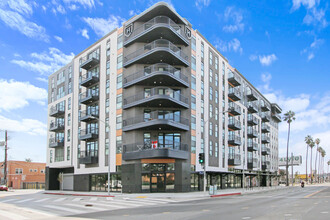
<point x="129" y="30"/>
<point x="154" y="144"/>
<point x="296" y="161"/>
<point x="188" y="32"/>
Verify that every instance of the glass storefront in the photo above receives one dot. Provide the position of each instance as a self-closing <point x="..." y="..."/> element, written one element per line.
<point x="99" y="182"/>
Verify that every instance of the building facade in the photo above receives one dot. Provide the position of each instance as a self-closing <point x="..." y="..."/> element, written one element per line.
<point x="145" y="100"/>
<point x="24" y="175"/>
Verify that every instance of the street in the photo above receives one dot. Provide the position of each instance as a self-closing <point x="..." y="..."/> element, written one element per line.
<point x="311" y="202"/>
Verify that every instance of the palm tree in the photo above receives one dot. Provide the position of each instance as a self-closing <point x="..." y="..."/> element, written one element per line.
<point x="311" y="145"/>
<point x="308" y="139"/>
<point x="328" y="170"/>
<point x="319" y="151"/>
<point x="317" y="142"/>
<point x="288" y="117"/>
<point x="323" y="153"/>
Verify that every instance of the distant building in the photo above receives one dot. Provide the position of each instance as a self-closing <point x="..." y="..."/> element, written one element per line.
<point x="24" y="175"/>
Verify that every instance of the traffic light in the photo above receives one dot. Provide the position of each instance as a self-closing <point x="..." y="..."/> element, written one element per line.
<point x="201" y="158"/>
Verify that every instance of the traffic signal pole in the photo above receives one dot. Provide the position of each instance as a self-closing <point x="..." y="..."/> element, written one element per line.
<point x="5" y="167"/>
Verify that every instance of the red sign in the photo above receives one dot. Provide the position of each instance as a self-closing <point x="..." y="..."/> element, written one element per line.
<point x="154" y="144"/>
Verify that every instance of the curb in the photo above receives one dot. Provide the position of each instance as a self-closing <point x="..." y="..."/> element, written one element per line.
<point x="228" y="194"/>
<point x="67" y="194"/>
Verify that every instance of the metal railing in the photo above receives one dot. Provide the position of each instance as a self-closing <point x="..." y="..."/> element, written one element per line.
<point x="156" y="115"/>
<point x="234" y="122"/>
<point x="253" y="105"/>
<point x="56" y="124"/>
<point x="135" y="147"/>
<point x="89" y="57"/>
<point x="232" y="75"/>
<point x="56" y="140"/>
<point x="265" y="138"/>
<point x="89" y="75"/>
<point x="88" y="94"/>
<point x="235" y="91"/>
<point x="234" y="107"/>
<point x="265" y="116"/>
<point x="161" y="43"/>
<point x="265" y="127"/>
<point x="236" y="157"/>
<point x="56" y="108"/>
<point x="157" y="68"/>
<point x="89" y="131"/>
<point x="252" y="118"/>
<point x="89" y="112"/>
<point x="93" y="153"/>
<point x="253" y="144"/>
<point x="235" y="138"/>
<point x="154" y="21"/>
<point x="157" y="91"/>
<point x="252" y="94"/>
<point x="252" y="131"/>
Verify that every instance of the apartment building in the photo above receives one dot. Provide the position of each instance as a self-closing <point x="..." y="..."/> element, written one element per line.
<point x="145" y="100"/>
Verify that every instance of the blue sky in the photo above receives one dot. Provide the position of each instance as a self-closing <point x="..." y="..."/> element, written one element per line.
<point x="281" y="47"/>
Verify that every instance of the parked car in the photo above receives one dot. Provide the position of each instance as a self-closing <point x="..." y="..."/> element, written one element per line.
<point x="3" y="188"/>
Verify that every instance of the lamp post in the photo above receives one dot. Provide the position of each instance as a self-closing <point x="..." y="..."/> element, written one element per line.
<point x="206" y="151"/>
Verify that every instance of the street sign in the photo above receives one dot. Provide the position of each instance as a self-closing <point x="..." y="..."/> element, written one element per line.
<point x="297" y="160"/>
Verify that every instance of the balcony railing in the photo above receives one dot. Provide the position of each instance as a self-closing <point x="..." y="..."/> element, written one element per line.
<point x="89" y="96"/>
<point x="252" y="120"/>
<point x="265" y="128"/>
<point x="265" y="139"/>
<point x="234" y="124"/>
<point x="56" y="126"/>
<point x="234" y="94"/>
<point x="157" y="45"/>
<point x="277" y="117"/>
<point x="90" y="78"/>
<point x="234" y="79"/>
<point x="253" y="146"/>
<point x="156" y="120"/>
<point x="89" y="115"/>
<point x="265" y="107"/>
<point x="265" y="117"/>
<point x="90" y="61"/>
<point x="155" y="97"/>
<point x="252" y="107"/>
<point x="265" y="165"/>
<point x="56" y="142"/>
<point x="175" y="150"/>
<point x="159" y="21"/>
<point x="265" y="150"/>
<point x="88" y="157"/>
<point x="150" y="76"/>
<point x="89" y="134"/>
<point x="234" y="109"/>
<point x="57" y="110"/>
<point x="252" y="132"/>
<point x="234" y="159"/>
<point x="234" y="140"/>
<point x="252" y="95"/>
<point x="252" y="163"/>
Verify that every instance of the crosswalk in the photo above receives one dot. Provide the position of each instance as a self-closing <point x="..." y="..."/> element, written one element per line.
<point x="64" y="206"/>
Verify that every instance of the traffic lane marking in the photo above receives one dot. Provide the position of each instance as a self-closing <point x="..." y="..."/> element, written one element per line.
<point x="314" y="193"/>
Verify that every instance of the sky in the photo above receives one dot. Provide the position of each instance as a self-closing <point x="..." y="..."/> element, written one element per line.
<point x="281" y="47"/>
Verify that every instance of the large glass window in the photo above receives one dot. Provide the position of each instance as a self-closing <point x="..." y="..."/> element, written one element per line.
<point x="193" y="82"/>
<point x="193" y="43"/>
<point x="119" y="81"/>
<point x="193" y="62"/>
<point x="169" y="140"/>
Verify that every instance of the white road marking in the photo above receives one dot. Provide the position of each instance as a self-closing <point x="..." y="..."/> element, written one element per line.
<point x="86" y="208"/>
<point x="76" y="199"/>
<point x="93" y="199"/>
<point x="145" y="202"/>
<point x="109" y="198"/>
<point x="125" y="203"/>
<point x="110" y="205"/>
<point x="8" y="200"/>
<point x="287" y="214"/>
<point x="42" y="200"/>
<point x="64" y="209"/>
<point x="25" y="200"/>
<point x="10" y="215"/>
<point x="59" y="200"/>
<point x="324" y="212"/>
<point x="247" y="217"/>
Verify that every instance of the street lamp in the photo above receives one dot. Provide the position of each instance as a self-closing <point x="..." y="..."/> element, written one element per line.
<point x="205" y="148"/>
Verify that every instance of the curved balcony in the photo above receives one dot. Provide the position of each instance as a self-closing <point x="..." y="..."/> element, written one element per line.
<point x="147" y="150"/>
<point x="252" y="133"/>
<point x="89" y="115"/>
<point x="234" y="140"/>
<point x="90" y="61"/>
<point x="157" y="51"/>
<point x="252" y="95"/>
<point x="234" y="94"/>
<point x="265" y="150"/>
<point x="55" y="142"/>
<point x="252" y="107"/>
<point x="89" y="97"/>
<point x="234" y="159"/>
<point x="265" y="117"/>
<point x="252" y="146"/>
<point x="89" y="79"/>
<point x="88" y="157"/>
<point x="156" y="28"/>
<point x="276" y="117"/>
<point x="156" y="120"/>
<point x="252" y="120"/>
<point x="234" y="124"/>
<point x="265" y="107"/>
<point x="56" y="126"/>
<point x="57" y="110"/>
<point x="89" y="134"/>
<point x="265" y="128"/>
<point x="234" y="79"/>
<point x="157" y="97"/>
<point x="265" y="139"/>
<point x="157" y="75"/>
<point x="234" y="109"/>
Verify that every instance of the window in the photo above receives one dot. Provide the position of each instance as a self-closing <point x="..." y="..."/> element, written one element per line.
<point x="202" y="125"/>
<point x="68" y="136"/>
<point x="51" y="156"/>
<point x="202" y="106"/>
<point x="193" y="43"/>
<point x="108" y="67"/>
<point x="69" y="87"/>
<point x="119" y="81"/>
<point x="211" y="111"/>
<point x="216" y="130"/>
<point x="216" y="113"/>
<point x="107" y="90"/>
<point x="211" y="93"/>
<point x="202" y="50"/>
<point x="193" y="144"/>
<point x="202" y="145"/>
<point x="60" y="92"/>
<point x="107" y="105"/>
<point x="211" y="128"/>
<point x="193" y="122"/>
<point x="119" y="144"/>
<point x="42" y="171"/>
<point x="211" y="75"/>
<point x="216" y="149"/>
<point x="69" y="119"/>
<point x="107" y="128"/>
<point x="216" y="62"/>
<point x="69" y="103"/>
<point x="120" y="41"/>
<point x="211" y="148"/>
<point x="202" y="70"/>
<point x="118" y="122"/>
<point x="31" y="170"/>
<point x="35" y="170"/>
<point x="18" y="170"/>
<point x="223" y="68"/>
<point x="68" y="153"/>
<point x="193" y="102"/>
<point x="211" y="58"/>
<point x="119" y="101"/>
<point x="193" y="62"/>
<point x="120" y="61"/>
<point x="216" y="96"/>
<point x="216" y="79"/>
<point x="193" y="82"/>
<point x="202" y="87"/>
<point x="107" y="146"/>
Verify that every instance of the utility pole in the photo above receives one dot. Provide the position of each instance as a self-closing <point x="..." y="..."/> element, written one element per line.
<point x="292" y="167"/>
<point x="5" y="167"/>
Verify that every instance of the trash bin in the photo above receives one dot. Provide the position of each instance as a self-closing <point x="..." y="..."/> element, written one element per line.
<point x="213" y="190"/>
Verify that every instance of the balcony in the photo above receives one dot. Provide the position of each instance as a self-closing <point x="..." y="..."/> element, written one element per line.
<point x="90" y="61"/>
<point x="252" y="146"/>
<point x="157" y="51"/>
<point x="265" y="107"/>
<point x="55" y="142"/>
<point x="157" y="97"/>
<point x="265" y="150"/>
<point x="156" y="28"/>
<point x="89" y="79"/>
<point x="234" y="159"/>
<point x="138" y="151"/>
<point x="57" y="110"/>
<point x="265" y="128"/>
<point x="265" y="117"/>
<point x="234" y="94"/>
<point x="252" y="133"/>
<point x="89" y="115"/>
<point x="234" y="124"/>
<point x="159" y="74"/>
<point x="88" y="157"/>
<point x="234" y="140"/>
<point x="252" y="120"/>
<point x="89" y="134"/>
<point x="265" y="139"/>
<point x="252" y="95"/>
<point x="276" y="108"/>
<point x="234" y="109"/>
<point x="234" y="79"/>
<point x="252" y="163"/>
<point x="276" y="117"/>
<point x="252" y="107"/>
<point x="56" y="126"/>
<point x="89" y="97"/>
<point x="157" y="120"/>
<point x="265" y="165"/>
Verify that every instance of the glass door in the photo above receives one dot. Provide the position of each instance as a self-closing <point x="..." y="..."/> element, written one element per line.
<point x="158" y="182"/>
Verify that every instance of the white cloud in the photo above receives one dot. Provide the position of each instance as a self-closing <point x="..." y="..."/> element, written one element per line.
<point x="46" y="63"/>
<point x="17" y="22"/>
<point x="266" y="60"/>
<point x="310" y="51"/>
<point x="42" y="79"/>
<point x="15" y="95"/>
<point x="310" y="56"/>
<point x="233" y="45"/>
<point x="20" y="6"/>
<point x="253" y="57"/>
<point x="29" y="126"/>
<point x="84" y="3"/>
<point x="44" y="8"/>
<point x="236" y="17"/>
<point x="60" y="9"/>
<point x="202" y="3"/>
<point x="103" y="26"/>
<point x="307" y="3"/>
<point x="84" y="33"/>
<point x="17" y="55"/>
<point x="59" y="39"/>
<point x="73" y="7"/>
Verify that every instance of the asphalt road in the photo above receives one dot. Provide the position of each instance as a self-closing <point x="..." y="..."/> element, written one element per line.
<point x="312" y="202"/>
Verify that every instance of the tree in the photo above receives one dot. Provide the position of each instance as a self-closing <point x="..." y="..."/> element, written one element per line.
<point x="328" y="170"/>
<point x="319" y="152"/>
<point x="323" y="153"/>
<point x="308" y="139"/>
<point x="317" y="142"/>
<point x="28" y="160"/>
<point x="311" y="145"/>
<point x="288" y="117"/>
